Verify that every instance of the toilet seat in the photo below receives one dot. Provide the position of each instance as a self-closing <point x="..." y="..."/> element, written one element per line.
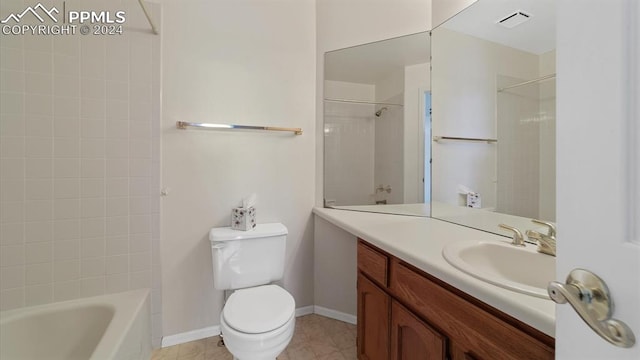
<point x="258" y="309"/>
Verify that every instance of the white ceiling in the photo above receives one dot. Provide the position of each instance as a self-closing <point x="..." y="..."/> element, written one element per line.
<point x="365" y="64"/>
<point x="538" y="35"/>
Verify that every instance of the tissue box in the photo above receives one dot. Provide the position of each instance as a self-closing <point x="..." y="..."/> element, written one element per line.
<point x="243" y="219"/>
<point x="473" y="200"/>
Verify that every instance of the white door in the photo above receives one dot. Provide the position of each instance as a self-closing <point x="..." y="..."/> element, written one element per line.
<point x="598" y="164"/>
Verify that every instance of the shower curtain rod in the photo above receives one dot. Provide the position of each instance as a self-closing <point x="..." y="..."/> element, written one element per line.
<point x="361" y="102"/>
<point x="546" y="77"/>
<point x="146" y="13"/>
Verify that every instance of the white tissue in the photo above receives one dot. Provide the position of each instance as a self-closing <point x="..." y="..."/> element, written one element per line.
<point x="463" y="190"/>
<point x="249" y="201"/>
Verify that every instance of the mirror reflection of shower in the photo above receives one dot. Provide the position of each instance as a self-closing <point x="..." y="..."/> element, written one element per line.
<point x="364" y="144"/>
<point x="373" y="125"/>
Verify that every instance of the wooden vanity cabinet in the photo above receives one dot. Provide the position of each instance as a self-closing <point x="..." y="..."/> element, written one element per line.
<point x="406" y="314"/>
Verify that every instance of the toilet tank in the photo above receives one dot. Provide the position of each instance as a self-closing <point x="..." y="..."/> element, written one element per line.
<point x="247" y="258"/>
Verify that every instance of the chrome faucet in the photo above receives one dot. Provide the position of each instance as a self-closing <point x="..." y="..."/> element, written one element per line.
<point x="518" y="239"/>
<point x="546" y="242"/>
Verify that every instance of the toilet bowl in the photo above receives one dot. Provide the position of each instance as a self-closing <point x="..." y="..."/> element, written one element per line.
<point x="258" y="323"/>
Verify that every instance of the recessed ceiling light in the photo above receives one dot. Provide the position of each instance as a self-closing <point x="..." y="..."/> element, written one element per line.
<point x="514" y="19"/>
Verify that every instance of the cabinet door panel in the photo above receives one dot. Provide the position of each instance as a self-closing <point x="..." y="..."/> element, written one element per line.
<point x="458" y="353"/>
<point x="373" y="321"/>
<point x="412" y="339"/>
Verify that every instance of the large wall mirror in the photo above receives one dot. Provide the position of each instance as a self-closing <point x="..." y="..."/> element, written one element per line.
<point x="493" y="131"/>
<point x="376" y="118"/>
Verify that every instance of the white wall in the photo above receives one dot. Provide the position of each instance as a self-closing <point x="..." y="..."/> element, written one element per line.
<point x="444" y="9"/>
<point x="342" y="90"/>
<point x="335" y="268"/>
<point x="390" y="88"/>
<point x="344" y="23"/>
<point x="468" y="105"/>
<point x="249" y="62"/>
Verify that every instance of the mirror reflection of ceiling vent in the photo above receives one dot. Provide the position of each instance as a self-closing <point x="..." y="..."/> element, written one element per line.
<point x="512" y="20"/>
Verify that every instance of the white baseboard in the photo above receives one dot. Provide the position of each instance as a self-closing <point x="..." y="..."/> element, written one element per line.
<point x="307" y="310"/>
<point x="192" y="335"/>
<point x="333" y="314"/>
<point x="210" y="331"/>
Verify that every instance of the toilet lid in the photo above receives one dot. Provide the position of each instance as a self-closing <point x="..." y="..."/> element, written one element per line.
<point x="259" y="309"/>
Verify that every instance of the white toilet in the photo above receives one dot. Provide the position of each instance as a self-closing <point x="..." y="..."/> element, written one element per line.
<point x="258" y="319"/>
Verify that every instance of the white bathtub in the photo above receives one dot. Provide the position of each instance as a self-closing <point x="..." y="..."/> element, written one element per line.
<point x="116" y="326"/>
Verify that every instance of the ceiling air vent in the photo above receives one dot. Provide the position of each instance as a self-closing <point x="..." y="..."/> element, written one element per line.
<point x="512" y="20"/>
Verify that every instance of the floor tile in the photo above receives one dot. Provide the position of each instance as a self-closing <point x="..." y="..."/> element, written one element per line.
<point x="333" y="356"/>
<point x="351" y="353"/>
<point x="168" y="353"/>
<point x="315" y="338"/>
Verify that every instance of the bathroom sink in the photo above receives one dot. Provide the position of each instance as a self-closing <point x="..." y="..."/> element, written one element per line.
<point x="516" y="268"/>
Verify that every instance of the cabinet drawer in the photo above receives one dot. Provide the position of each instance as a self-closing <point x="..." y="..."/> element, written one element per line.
<point x="468" y="325"/>
<point x="373" y="263"/>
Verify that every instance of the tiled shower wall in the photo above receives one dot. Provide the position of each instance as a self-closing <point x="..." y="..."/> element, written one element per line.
<point x="79" y="164"/>
<point x="349" y="137"/>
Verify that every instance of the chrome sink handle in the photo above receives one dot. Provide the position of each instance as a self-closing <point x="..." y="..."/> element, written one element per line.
<point x="550" y="226"/>
<point x="518" y="239"/>
<point x="546" y="243"/>
<point x="590" y="298"/>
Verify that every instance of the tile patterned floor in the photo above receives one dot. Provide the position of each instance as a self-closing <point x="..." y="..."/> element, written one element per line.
<point x="315" y="338"/>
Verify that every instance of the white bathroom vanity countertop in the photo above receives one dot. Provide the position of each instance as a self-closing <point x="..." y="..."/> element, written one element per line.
<point x="419" y="241"/>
